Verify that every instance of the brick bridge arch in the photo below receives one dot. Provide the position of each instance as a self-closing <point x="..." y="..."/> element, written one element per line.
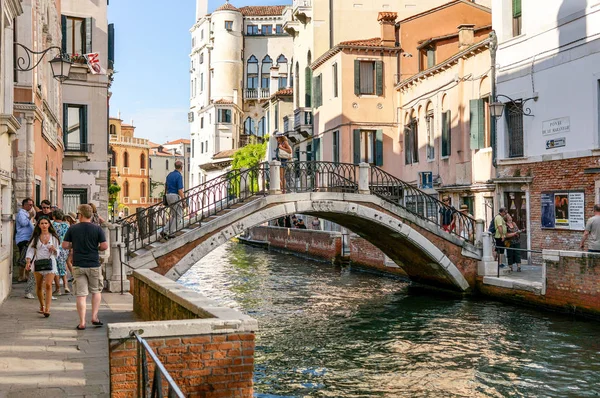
<point x="426" y="253"/>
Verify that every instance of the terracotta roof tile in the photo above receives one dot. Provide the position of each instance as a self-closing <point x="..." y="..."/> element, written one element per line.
<point x="374" y="42"/>
<point x="179" y="141"/>
<point x="223" y="102"/>
<point x="387" y="16"/>
<point x="225" y="154"/>
<point x="227" y="7"/>
<point x="261" y="11"/>
<point x="285" y="91"/>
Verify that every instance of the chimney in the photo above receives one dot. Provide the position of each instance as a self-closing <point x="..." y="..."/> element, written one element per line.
<point x="387" y="21"/>
<point x="466" y="35"/>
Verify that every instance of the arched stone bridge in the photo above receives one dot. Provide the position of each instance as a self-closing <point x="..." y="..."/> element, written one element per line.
<point x="417" y="243"/>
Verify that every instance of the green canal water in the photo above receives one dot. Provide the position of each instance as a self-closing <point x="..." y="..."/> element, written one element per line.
<point x="328" y="332"/>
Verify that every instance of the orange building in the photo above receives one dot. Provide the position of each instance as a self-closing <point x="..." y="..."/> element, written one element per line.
<point x="129" y="166"/>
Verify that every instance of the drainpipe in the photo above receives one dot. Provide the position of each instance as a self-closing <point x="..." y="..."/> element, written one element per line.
<point x="493" y="49"/>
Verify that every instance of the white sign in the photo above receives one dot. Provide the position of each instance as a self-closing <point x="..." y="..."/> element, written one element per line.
<point x="93" y="61"/>
<point x="556" y="126"/>
<point x="576" y="211"/>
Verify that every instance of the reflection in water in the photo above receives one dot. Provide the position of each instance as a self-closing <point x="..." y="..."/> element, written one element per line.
<point x="331" y="333"/>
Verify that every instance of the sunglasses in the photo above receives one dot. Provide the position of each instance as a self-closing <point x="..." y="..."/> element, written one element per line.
<point x="45" y="207"/>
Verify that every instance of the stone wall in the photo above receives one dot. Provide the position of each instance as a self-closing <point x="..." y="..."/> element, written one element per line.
<point x="208" y="350"/>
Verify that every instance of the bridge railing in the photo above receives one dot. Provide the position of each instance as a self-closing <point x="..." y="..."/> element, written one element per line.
<point x="311" y="176"/>
<point x="148" y="225"/>
<point x="420" y="204"/>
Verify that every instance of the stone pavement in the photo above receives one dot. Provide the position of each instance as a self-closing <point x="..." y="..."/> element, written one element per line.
<point x="530" y="279"/>
<point x="47" y="357"/>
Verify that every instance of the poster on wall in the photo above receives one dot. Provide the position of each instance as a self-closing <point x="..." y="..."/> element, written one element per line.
<point x="563" y="210"/>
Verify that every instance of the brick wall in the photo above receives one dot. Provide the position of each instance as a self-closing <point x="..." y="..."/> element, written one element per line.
<point x="566" y="174"/>
<point x="318" y="244"/>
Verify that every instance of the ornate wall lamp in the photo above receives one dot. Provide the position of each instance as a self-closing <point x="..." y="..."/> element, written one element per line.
<point x="497" y="107"/>
<point x="60" y="65"/>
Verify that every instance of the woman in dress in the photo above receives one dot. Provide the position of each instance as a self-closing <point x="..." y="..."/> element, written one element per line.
<point x="44" y="246"/>
<point x="284" y="153"/>
<point x="61" y="227"/>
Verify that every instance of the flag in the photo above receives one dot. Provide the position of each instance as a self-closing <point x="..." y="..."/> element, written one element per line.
<point x="93" y="61"/>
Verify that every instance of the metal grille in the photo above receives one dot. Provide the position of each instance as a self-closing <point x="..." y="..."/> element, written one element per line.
<point x="514" y="120"/>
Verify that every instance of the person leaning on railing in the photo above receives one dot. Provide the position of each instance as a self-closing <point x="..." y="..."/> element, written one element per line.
<point x="175" y="200"/>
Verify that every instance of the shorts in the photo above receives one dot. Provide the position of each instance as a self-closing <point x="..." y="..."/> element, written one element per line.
<point x="499" y="246"/>
<point x="87" y="280"/>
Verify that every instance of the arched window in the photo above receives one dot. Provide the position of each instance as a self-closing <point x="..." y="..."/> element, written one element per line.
<point x="297" y="85"/>
<point x="142" y="161"/>
<point x="308" y="82"/>
<point x="283" y="72"/>
<point x="265" y="72"/>
<point x="112" y="129"/>
<point x="252" y="74"/>
<point x="125" y="159"/>
<point x="201" y="58"/>
<point x="149" y="163"/>
<point x="143" y="189"/>
<point x="126" y="189"/>
<point x="249" y="127"/>
<point x="261" y="127"/>
<point x="113" y="157"/>
<point x="167" y="164"/>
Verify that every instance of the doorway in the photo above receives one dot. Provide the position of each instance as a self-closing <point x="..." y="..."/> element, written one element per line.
<point x="516" y="205"/>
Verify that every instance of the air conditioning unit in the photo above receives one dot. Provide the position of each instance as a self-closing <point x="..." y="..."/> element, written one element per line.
<point x="425" y="180"/>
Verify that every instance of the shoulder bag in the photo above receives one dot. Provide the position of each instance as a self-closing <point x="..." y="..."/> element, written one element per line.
<point x="42" y="264"/>
<point x="283" y="154"/>
<point x="165" y="201"/>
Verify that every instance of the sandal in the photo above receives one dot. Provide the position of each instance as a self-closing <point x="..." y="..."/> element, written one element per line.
<point x="46" y="315"/>
<point x="80" y="328"/>
<point x="67" y="291"/>
<point x="41" y="311"/>
<point x="518" y="269"/>
<point x="97" y="323"/>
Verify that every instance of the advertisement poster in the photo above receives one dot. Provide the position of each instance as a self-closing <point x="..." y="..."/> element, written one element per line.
<point x="547" y="210"/>
<point x="563" y="210"/>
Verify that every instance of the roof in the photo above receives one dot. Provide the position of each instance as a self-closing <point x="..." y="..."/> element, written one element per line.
<point x="223" y="102"/>
<point x="179" y="141"/>
<point x="387" y="16"/>
<point x="153" y="144"/>
<point x="261" y="11"/>
<point x="225" y="154"/>
<point x="373" y="42"/>
<point x="227" y="7"/>
<point x="423" y="43"/>
<point x="451" y="3"/>
<point x="285" y="91"/>
<point x="156" y="152"/>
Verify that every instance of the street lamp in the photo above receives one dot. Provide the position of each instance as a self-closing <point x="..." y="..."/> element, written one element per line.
<point x="497" y="107"/>
<point x="60" y="65"/>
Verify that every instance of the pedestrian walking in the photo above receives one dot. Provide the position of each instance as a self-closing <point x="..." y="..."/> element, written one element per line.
<point x="61" y="227"/>
<point x="512" y="243"/>
<point x="86" y="240"/>
<point x="500" y="234"/>
<point x="41" y="260"/>
<point x="24" y="230"/>
<point x="592" y="232"/>
<point x="175" y="200"/>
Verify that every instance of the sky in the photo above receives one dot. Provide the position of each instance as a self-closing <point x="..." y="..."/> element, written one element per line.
<point x="152" y="47"/>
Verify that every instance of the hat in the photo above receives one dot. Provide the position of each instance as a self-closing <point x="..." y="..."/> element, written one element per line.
<point x="72" y="215"/>
<point x="464" y="207"/>
<point x="278" y="134"/>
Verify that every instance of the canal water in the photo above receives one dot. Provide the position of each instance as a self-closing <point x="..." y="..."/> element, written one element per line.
<point x="328" y="332"/>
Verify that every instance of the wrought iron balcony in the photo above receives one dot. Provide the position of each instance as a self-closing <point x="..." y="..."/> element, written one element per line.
<point x="303" y="121"/>
<point x="78" y="147"/>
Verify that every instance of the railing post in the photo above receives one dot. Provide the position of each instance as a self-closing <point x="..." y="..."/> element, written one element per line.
<point x="479" y="227"/>
<point x="274" y="177"/>
<point x="364" y="170"/>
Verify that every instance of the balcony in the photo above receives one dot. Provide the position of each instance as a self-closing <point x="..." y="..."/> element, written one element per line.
<point x="303" y="122"/>
<point x="302" y="10"/>
<point x="130" y="141"/>
<point x="247" y="139"/>
<point x="78" y="147"/>
<point x="257" y="93"/>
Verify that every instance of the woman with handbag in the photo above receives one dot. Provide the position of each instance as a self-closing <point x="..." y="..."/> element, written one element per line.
<point x="283" y="154"/>
<point x="41" y="256"/>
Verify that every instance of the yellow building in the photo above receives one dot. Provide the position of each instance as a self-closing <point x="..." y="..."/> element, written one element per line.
<point x="129" y="167"/>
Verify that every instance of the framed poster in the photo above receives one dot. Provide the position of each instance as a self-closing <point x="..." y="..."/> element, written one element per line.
<point x="563" y="210"/>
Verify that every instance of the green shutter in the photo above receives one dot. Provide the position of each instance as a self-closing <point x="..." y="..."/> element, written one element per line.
<point x="316" y="147"/>
<point x="407" y="146"/>
<point x="83" y="131"/>
<point x="317" y="89"/>
<point x="446" y="134"/>
<point x="379" y="148"/>
<point x="320" y="93"/>
<point x="516" y="8"/>
<point x="111" y="46"/>
<point x="65" y="126"/>
<point x="379" y="78"/>
<point x="356" y="77"/>
<point x="477" y="121"/>
<point x="63" y="22"/>
<point x="356" y="148"/>
<point x="89" y="23"/>
<point x="430" y="58"/>
<point x="308" y="87"/>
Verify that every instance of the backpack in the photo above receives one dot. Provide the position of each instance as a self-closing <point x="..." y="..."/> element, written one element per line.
<point x="492" y="227"/>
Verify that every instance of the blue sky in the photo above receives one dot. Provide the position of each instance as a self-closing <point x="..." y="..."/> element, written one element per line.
<point x="152" y="46"/>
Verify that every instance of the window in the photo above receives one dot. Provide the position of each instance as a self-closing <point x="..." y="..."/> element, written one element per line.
<point x="334" y="76"/>
<point x="430" y="135"/>
<point x="202" y="34"/>
<point x="206" y="146"/>
<point x="411" y="142"/>
<point x="446" y="134"/>
<point x="113" y="157"/>
<point x="308" y="87"/>
<point x="265" y="72"/>
<point x="336" y="146"/>
<point x="126" y="189"/>
<point x="193" y="42"/>
<point x="38" y="193"/>
<point x="516" y="17"/>
<point x="125" y="159"/>
<point x="487" y="140"/>
<point x="149" y="163"/>
<point x="142" y="161"/>
<point x="279" y="29"/>
<point x="76" y="35"/>
<point x="514" y="122"/>
<point x="201" y="58"/>
<point x="276" y="115"/>
<point x="281" y="82"/>
<point x="73" y="197"/>
<point x="368" y="77"/>
<point x="318" y="90"/>
<point x="202" y="122"/>
<point x="252" y="30"/>
<point x="249" y="127"/>
<point x="368" y="147"/>
<point x="229" y="25"/>
<point x="143" y="189"/>
<point x="201" y="82"/>
<point x="261" y="127"/>
<point x="75" y="125"/>
<point x="167" y="164"/>
<point x="479" y="123"/>
<point x="282" y="63"/>
<point x="202" y="147"/>
<point x="224" y="116"/>
<point x="267" y="29"/>
<point x="112" y="129"/>
<point x="252" y="74"/>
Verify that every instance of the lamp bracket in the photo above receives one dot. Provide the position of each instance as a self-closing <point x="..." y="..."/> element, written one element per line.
<point x="519" y="102"/>
<point x="24" y="64"/>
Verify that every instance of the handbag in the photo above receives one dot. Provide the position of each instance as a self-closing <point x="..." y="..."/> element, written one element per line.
<point x="165" y="201"/>
<point x="42" y="265"/>
<point x="283" y="154"/>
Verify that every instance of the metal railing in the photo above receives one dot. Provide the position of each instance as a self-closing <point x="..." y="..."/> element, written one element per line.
<point x="514" y="252"/>
<point x="320" y="176"/>
<point x="161" y="375"/>
<point x="78" y="147"/>
<point x="420" y="204"/>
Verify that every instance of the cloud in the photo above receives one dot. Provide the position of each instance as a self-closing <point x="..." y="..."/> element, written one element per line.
<point x="160" y="125"/>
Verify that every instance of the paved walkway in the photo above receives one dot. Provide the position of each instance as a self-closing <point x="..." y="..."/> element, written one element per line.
<point x="530" y="279"/>
<point x="47" y="357"/>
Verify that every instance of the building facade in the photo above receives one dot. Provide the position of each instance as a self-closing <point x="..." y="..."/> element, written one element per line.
<point x="162" y="162"/>
<point x="129" y="166"/>
<point x="38" y="150"/>
<point x="182" y="149"/>
<point x="9" y="125"/>
<point x="239" y="59"/>
<point x="85" y="30"/>
<point x="548" y="138"/>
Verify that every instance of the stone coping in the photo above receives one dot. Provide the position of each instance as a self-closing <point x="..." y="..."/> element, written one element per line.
<point x="555" y="255"/>
<point x="214" y="317"/>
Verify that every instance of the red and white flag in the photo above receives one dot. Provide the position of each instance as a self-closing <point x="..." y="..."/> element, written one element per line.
<point x="93" y="61"/>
